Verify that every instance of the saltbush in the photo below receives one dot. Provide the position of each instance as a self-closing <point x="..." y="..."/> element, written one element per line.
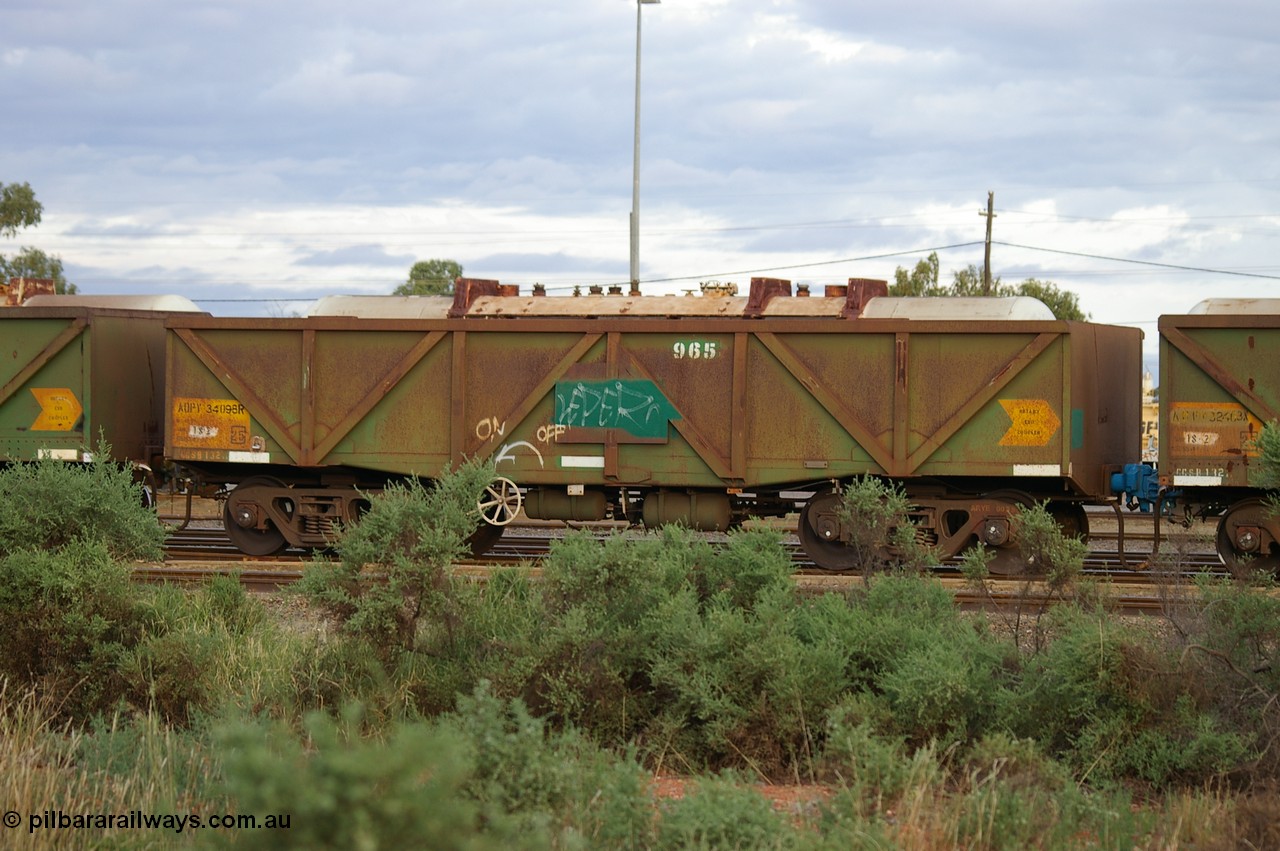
<point x="948" y="692"/>
<point x="68" y="619"/>
<point x="489" y="776"/>
<point x="876" y="513"/>
<point x="1047" y="551"/>
<point x="721" y="812"/>
<point x="530" y="781"/>
<point x="1115" y="704"/>
<point x="606" y="603"/>
<point x="342" y="791"/>
<point x="49" y="504"/>
<point x="878" y="768"/>
<point x="75" y="628"/>
<point x="411" y="534"/>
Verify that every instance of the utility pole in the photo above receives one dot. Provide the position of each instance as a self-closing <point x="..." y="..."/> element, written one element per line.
<point x="990" y="214"/>
<point x="635" y="167"/>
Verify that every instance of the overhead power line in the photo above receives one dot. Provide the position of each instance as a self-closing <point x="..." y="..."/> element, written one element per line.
<point x="812" y="265"/>
<point x="816" y="264"/>
<point x="1179" y="267"/>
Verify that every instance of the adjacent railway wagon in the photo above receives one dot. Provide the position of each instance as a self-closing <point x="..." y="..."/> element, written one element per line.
<point x="77" y="369"/>
<point x="658" y="409"/>
<point x="1219" y="383"/>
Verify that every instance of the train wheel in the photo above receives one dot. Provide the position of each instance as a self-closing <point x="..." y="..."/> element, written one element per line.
<point x="1245" y="540"/>
<point x="817" y="532"/>
<point x="483" y="538"/>
<point x="1007" y="561"/>
<point x="1072" y="519"/>
<point x="1007" y="558"/>
<point x="239" y="509"/>
<point x="500" y="502"/>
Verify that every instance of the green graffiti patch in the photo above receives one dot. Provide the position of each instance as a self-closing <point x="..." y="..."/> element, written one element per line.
<point x="632" y="405"/>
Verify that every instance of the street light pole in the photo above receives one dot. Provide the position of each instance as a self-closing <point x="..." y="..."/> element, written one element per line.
<point x="635" y="169"/>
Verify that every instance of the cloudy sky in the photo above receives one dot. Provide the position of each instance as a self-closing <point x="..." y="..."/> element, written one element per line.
<point x="282" y="150"/>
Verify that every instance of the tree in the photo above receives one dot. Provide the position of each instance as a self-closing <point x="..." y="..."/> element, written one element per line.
<point x="968" y="282"/>
<point x="1064" y="303"/>
<point x="19" y="209"/>
<point x="431" y="277"/>
<point x="34" y="263"/>
<point x="923" y="281"/>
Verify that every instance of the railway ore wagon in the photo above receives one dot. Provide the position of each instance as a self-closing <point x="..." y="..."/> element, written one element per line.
<point x="1219" y="383"/>
<point x="74" y="369"/>
<point x="659" y="409"/>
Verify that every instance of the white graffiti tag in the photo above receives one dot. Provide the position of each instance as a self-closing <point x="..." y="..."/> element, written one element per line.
<point x="507" y="452"/>
<point x="606" y="405"/>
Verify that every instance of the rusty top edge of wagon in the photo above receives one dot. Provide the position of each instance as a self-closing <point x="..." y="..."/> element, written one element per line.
<point x="768" y="298"/>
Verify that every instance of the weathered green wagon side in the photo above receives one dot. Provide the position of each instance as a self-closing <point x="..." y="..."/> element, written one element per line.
<point x="75" y="370"/>
<point x="675" y="409"/>
<point x="1219" y="384"/>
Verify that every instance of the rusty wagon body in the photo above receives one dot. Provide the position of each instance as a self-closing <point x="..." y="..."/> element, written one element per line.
<point x="662" y="408"/>
<point x="1219" y="384"/>
<point x="76" y="370"/>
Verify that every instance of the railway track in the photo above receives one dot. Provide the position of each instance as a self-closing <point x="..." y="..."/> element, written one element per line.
<point x="1126" y="597"/>
<point x="195" y="555"/>
<point x="210" y="543"/>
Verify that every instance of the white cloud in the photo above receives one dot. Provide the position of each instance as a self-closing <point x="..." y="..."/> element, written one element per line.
<point x="336" y="82"/>
<point x="223" y="147"/>
<point x="829" y="47"/>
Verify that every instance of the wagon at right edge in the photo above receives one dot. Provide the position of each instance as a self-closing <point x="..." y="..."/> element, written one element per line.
<point x="1219" y="384"/>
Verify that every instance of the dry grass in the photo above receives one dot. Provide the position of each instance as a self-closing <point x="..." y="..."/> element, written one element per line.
<point x="43" y="769"/>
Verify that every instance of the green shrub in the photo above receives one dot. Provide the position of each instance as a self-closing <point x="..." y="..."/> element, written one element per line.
<point x="625" y="577"/>
<point x="946" y="692"/>
<point x="497" y="636"/>
<point x="413" y="533"/>
<point x="74" y="627"/>
<point x="663" y="638"/>
<point x="68" y="618"/>
<point x="1268" y="444"/>
<point x="876" y="628"/>
<point x="737" y="686"/>
<point x="530" y="781"/>
<point x="49" y="504"/>
<point x="975" y="564"/>
<point x="1017" y="762"/>
<point x="605" y="603"/>
<point x="1116" y="705"/>
<point x="720" y="812"/>
<point x="879" y="767"/>
<point x="876" y="513"/>
<point x="231" y="606"/>
<point x="1047" y="551"/>
<point x="1238" y="634"/>
<point x="1189" y="748"/>
<point x="751" y="566"/>
<point x="169" y="673"/>
<point x="345" y="792"/>
<point x="488" y="776"/>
